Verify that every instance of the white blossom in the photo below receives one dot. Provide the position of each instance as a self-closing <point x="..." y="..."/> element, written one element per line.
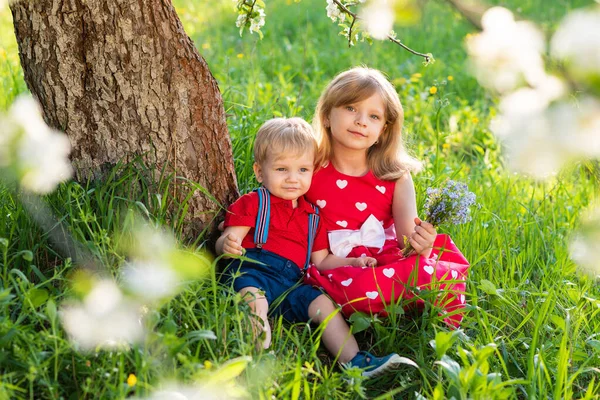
<point x="241" y="20"/>
<point x="585" y="245"/>
<point x="577" y="41"/>
<point x="334" y="12"/>
<point x="379" y="18"/>
<point x="257" y="22"/>
<point x="507" y="53"/>
<point x="39" y="153"/>
<point x="104" y="319"/>
<point x="540" y="138"/>
<point x="150" y="280"/>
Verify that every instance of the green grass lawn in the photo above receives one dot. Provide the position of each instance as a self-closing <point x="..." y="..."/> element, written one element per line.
<point x="532" y="325"/>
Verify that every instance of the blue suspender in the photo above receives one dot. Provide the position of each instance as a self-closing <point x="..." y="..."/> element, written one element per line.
<point x="263" y="218"/>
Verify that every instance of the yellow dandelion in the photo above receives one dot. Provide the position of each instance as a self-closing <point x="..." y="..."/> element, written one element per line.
<point x="433" y="90"/>
<point x="240" y="55"/>
<point x="475" y="120"/>
<point x="206" y="46"/>
<point x="446" y="146"/>
<point x="450" y="78"/>
<point x="131" y="380"/>
<point x="417" y="75"/>
<point x="469" y="36"/>
<point x="208" y="364"/>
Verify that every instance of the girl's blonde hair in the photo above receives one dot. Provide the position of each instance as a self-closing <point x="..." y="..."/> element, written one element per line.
<point x="388" y="158"/>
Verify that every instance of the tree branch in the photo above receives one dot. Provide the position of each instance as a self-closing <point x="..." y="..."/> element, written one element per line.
<point x="471" y="12"/>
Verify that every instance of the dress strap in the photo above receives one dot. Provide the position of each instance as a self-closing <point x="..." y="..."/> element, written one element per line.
<point x="261" y="231"/>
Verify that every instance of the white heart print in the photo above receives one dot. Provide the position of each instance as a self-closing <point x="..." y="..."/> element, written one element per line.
<point x="462" y="298"/>
<point x="389" y="272"/>
<point x="347" y="282"/>
<point x="454" y="274"/>
<point x="341" y="183"/>
<point x="321" y="203"/>
<point x="361" y="206"/>
<point x="372" y="295"/>
<point x="428" y="269"/>
<point x="380" y="188"/>
<point x="343" y="224"/>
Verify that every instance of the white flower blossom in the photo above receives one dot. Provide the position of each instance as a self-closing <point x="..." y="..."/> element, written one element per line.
<point x="585" y="245"/>
<point x="577" y="41"/>
<point x="540" y="138"/>
<point x="507" y="53"/>
<point x="241" y="20"/>
<point x="257" y="22"/>
<point x="39" y="153"/>
<point x="379" y="18"/>
<point x="104" y="319"/>
<point x="334" y="12"/>
<point x="150" y="280"/>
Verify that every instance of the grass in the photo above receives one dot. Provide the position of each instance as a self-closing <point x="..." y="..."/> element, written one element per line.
<point x="532" y="326"/>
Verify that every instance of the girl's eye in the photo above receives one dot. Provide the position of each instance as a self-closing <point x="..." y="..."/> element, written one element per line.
<point x="349" y="108"/>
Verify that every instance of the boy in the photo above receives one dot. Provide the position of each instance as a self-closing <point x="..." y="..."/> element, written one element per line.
<point x="284" y="154"/>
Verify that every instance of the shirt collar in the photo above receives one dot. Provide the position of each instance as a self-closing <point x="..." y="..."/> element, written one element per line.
<point x="303" y="205"/>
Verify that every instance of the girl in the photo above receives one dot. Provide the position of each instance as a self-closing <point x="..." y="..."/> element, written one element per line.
<point x="367" y="200"/>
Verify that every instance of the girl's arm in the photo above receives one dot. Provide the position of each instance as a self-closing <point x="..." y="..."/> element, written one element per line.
<point x="230" y="241"/>
<point x="325" y="260"/>
<point x="421" y="234"/>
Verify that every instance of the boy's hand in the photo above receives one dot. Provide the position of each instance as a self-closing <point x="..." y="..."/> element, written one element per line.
<point x="423" y="237"/>
<point x="233" y="245"/>
<point x="364" y="262"/>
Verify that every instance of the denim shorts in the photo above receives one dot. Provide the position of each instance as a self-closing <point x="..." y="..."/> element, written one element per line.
<point x="279" y="278"/>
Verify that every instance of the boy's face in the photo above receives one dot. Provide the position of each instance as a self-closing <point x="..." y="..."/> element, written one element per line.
<point x="286" y="176"/>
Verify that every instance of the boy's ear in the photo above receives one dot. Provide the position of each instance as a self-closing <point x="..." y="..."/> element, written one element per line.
<point x="257" y="172"/>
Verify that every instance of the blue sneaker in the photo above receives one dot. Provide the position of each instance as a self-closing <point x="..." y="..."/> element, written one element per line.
<point x="373" y="366"/>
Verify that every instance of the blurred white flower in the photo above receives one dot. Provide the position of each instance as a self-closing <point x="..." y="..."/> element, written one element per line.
<point x="150" y="280"/>
<point x="577" y="41"/>
<point x="105" y="319"/>
<point x="507" y="53"/>
<point x="540" y="139"/>
<point x="257" y="22"/>
<point x="379" y="18"/>
<point x="585" y="246"/>
<point x="39" y="153"/>
<point x="241" y="20"/>
<point x="334" y="12"/>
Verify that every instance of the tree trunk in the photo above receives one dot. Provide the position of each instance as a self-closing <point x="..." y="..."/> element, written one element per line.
<point x="122" y="78"/>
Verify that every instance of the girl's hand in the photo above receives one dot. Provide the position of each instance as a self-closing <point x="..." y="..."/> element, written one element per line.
<point x="423" y="237"/>
<point x="364" y="262"/>
<point x="233" y="245"/>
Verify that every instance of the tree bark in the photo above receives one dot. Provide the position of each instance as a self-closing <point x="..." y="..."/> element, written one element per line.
<point x="121" y="79"/>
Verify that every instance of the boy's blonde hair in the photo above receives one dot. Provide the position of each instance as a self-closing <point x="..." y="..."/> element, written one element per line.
<point x="387" y="158"/>
<point x="284" y="135"/>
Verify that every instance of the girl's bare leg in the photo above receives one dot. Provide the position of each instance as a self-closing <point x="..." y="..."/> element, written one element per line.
<point x="336" y="336"/>
<point x="260" y="307"/>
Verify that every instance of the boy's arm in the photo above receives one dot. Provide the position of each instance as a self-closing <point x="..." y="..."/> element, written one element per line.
<point x="230" y="241"/>
<point x="324" y="260"/>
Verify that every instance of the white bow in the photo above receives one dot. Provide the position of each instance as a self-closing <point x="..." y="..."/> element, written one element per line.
<point x="371" y="234"/>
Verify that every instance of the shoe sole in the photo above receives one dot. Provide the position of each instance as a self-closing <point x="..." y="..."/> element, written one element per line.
<point x="392" y="363"/>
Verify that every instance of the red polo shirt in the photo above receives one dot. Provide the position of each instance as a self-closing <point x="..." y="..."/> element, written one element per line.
<point x="288" y="226"/>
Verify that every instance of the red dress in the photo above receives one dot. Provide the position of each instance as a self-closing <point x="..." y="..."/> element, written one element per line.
<point x="346" y="202"/>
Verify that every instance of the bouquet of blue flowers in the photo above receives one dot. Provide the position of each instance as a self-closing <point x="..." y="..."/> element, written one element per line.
<point x="449" y="204"/>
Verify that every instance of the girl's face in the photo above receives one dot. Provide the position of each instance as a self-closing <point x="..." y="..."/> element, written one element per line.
<point x="357" y="126"/>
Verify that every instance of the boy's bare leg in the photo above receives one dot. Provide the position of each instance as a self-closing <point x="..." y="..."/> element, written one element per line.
<point x="336" y="336"/>
<point x="260" y="307"/>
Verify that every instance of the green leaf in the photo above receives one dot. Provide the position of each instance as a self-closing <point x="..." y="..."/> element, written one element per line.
<point x="443" y="342"/>
<point x="230" y="370"/>
<point x="488" y="287"/>
<point x="27" y="255"/>
<point x="594" y="344"/>
<point x="359" y="322"/>
<point x="51" y="310"/>
<point x="4" y="242"/>
<point x="37" y="297"/>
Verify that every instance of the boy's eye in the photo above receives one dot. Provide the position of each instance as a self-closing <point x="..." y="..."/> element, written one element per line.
<point x="375" y="117"/>
<point x="281" y="169"/>
<point x="304" y="169"/>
